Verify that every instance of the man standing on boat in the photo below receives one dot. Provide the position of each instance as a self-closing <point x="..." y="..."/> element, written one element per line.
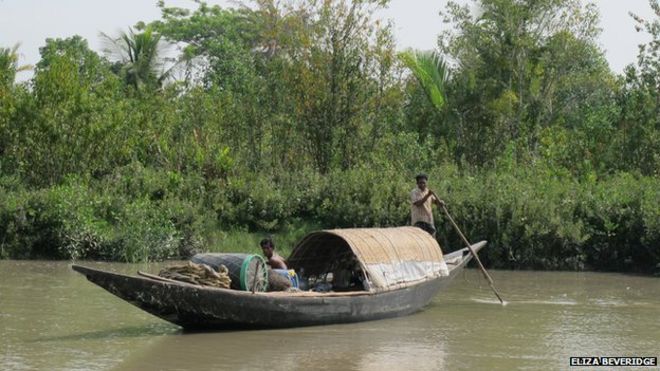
<point x="421" y="199"/>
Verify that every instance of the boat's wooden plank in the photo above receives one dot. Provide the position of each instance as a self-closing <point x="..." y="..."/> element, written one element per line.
<point x="163" y="279"/>
<point x="314" y="293"/>
<point x="155" y="277"/>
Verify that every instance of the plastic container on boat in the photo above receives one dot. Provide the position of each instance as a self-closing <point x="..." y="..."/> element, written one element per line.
<point x="247" y="271"/>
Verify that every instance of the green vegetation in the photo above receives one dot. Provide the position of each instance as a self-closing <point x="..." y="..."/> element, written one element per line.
<point x="285" y="117"/>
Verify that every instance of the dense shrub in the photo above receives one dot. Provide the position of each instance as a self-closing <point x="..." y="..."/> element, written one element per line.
<point x="532" y="218"/>
<point x="57" y="222"/>
<point x="535" y="220"/>
<point x="73" y="221"/>
<point x="614" y="213"/>
<point x="363" y="197"/>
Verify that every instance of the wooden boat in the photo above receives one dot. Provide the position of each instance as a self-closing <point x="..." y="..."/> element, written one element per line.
<point x="402" y="270"/>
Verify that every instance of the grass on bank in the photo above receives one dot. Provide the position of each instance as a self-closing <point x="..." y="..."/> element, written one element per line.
<point x="244" y="241"/>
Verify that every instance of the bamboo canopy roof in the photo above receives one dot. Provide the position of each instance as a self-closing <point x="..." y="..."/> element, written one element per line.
<point x="390" y="257"/>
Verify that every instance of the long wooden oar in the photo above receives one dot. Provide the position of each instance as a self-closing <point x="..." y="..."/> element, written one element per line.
<point x="469" y="246"/>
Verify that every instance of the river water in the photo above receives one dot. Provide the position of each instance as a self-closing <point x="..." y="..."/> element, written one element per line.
<point x="52" y="318"/>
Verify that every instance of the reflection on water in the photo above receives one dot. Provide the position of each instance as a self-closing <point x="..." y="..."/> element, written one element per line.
<point x="52" y="318"/>
<point x="348" y="347"/>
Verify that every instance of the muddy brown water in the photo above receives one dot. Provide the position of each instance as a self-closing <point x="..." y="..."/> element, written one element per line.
<point x="52" y="318"/>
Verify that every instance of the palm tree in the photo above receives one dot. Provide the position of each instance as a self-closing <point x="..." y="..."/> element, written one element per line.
<point x="140" y="57"/>
<point x="431" y="71"/>
<point x="9" y="65"/>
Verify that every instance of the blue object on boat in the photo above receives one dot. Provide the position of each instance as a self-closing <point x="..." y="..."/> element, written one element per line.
<point x="290" y="275"/>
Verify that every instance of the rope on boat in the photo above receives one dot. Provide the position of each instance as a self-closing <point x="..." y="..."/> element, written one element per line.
<point x="198" y="274"/>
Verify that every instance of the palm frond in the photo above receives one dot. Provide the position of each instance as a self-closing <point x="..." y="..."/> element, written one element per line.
<point x="9" y="65"/>
<point x="431" y="71"/>
<point x="140" y="55"/>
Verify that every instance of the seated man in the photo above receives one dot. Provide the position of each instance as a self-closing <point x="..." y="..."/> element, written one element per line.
<point x="274" y="260"/>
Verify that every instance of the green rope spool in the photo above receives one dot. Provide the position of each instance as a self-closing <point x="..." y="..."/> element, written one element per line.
<point x="248" y="272"/>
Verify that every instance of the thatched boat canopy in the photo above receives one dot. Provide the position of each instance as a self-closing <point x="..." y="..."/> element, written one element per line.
<point x="388" y="258"/>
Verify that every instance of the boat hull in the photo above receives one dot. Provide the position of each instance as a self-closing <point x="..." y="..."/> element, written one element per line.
<point x="199" y="307"/>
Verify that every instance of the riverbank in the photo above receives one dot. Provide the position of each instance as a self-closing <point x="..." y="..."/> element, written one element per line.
<point x="533" y="218"/>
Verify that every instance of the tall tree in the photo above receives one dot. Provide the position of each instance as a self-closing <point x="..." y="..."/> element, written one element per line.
<point x="8" y="101"/>
<point x="516" y="61"/>
<point x="639" y="134"/>
<point x="333" y="75"/>
<point x="303" y="73"/>
<point x="74" y="90"/>
<point x="219" y="43"/>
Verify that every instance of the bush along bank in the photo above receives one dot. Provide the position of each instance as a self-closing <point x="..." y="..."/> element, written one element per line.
<point x="533" y="221"/>
<point x="532" y="218"/>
